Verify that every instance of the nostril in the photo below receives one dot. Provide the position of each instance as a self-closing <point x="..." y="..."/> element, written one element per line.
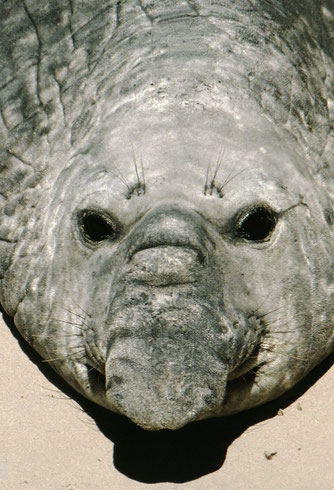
<point x="178" y="244"/>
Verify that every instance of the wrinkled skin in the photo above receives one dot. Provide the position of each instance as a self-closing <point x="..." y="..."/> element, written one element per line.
<point x="167" y="219"/>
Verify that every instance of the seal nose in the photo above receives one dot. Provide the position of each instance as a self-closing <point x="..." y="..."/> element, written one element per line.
<point x="168" y="246"/>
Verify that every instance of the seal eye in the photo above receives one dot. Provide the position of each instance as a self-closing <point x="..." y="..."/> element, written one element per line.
<point x="95" y="226"/>
<point x="257" y="224"/>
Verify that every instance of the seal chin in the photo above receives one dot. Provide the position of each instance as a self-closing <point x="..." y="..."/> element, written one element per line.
<point x="166" y="391"/>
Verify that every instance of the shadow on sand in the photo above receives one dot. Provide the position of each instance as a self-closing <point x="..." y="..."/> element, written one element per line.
<point x="171" y="456"/>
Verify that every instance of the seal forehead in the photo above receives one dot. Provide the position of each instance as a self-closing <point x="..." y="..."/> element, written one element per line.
<point x="178" y="147"/>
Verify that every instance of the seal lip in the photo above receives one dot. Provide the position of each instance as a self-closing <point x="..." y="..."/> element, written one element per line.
<point x="250" y="364"/>
<point x="93" y="384"/>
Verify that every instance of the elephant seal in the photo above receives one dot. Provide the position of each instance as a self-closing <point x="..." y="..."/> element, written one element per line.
<point x="166" y="198"/>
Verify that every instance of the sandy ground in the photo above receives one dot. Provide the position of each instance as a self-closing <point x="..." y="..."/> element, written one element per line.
<point x="47" y="440"/>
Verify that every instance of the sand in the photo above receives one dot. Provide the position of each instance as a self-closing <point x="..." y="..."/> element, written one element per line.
<point x="47" y="440"/>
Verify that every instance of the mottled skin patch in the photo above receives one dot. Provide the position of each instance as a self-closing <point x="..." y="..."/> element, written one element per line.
<point x="166" y="240"/>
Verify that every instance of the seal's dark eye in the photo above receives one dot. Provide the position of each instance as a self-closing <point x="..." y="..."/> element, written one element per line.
<point x="96" y="226"/>
<point x="257" y="224"/>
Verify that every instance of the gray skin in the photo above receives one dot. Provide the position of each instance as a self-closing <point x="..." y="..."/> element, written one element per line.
<point x="166" y="198"/>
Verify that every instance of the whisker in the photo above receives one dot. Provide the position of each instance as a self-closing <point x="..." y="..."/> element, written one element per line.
<point x="206" y="185"/>
<point x="287" y="321"/>
<point x="135" y="164"/>
<point x="271" y="348"/>
<point x="123" y="180"/>
<point x="261" y="304"/>
<point x="218" y="163"/>
<point x="269" y="312"/>
<point x="228" y="178"/>
<point x="75" y="314"/>
<point x="212" y="185"/>
<point x="70" y="335"/>
<point x="278" y="320"/>
<point x="80" y="308"/>
<point x="68" y="322"/>
<point x="143" y="174"/>
<point x="65" y="358"/>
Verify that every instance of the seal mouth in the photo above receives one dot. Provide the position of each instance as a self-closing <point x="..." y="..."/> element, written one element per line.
<point x="248" y="366"/>
<point x="172" y="407"/>
<point x="97" y="374"/>
<point x="165" y="393"/>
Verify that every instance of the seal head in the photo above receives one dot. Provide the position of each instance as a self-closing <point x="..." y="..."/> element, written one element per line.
<point x="175" y="289"/>
<point x="166" y="221"/>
